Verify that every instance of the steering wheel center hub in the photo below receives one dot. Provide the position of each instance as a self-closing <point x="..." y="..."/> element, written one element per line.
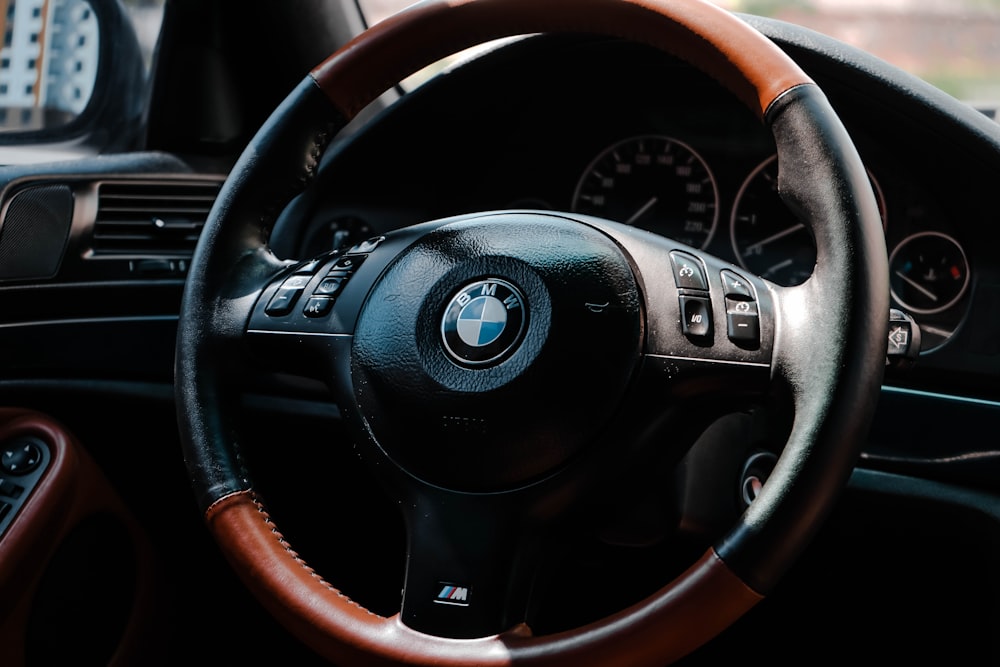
<point x="506" y="340"/>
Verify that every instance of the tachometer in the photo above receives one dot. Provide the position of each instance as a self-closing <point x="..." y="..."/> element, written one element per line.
<point x="654" y="182"/>
<point x="767" y="237"/>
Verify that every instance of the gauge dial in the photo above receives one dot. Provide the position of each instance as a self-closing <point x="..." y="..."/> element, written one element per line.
<point x="928" y="272"/>
<point x="767" y="237"/>
<point x="654" y="182"/>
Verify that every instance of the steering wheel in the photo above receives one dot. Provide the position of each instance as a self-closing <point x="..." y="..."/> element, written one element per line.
<point x="528" y="349"/>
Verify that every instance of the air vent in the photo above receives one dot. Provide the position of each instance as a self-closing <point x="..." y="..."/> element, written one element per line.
<point x="140" y="219"/>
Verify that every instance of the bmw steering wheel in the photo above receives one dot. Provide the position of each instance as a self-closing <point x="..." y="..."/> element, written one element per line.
<point x="467" y="328"/>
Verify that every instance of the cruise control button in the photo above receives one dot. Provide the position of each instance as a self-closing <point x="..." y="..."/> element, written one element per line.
<point x="742" y="321"/>
<point x="696" y="316"/>
<point x="741" y="307"/>
<point x="735" y="287"/>
<point x="687" y="271"/>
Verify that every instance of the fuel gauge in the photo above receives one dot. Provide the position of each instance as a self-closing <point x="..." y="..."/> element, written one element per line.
<point x="928" y="272"/>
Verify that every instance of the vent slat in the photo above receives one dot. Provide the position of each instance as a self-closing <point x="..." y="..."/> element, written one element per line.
<point x="145" y="208"/>
<point x="166" y="196"/>
<point x="150" y="218"/>
<point x="143" y="237"/>
<point x="150" y="226"/>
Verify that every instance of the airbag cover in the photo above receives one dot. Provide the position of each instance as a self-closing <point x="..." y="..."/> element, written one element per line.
<point x="494" y="348"/>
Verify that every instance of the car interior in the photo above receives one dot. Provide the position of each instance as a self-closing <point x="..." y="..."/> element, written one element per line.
<point x="710" y="410"/>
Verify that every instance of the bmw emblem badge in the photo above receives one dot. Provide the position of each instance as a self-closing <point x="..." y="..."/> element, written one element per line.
<point x="483" y="323"/>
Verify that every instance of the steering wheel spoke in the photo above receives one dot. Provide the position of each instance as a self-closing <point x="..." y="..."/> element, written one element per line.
<point x="306" y="314"/>
<point x="710" y="326"/>
<point x="469" y="567"/>
<point x="294" y="323"/>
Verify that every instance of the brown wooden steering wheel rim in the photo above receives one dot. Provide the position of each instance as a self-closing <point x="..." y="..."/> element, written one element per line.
<point x="680" y="617"/>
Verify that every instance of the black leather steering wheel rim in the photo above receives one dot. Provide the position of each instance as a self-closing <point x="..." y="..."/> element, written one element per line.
<point x="834" y="377"/>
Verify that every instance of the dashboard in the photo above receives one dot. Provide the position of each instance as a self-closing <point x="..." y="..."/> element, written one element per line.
<point x="618" y="131"/>
<point x="662" y="148"/>
<point x="565" y="123"/>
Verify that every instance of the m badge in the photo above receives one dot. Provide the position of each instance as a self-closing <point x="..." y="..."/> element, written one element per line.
<point x="450" y="594"/>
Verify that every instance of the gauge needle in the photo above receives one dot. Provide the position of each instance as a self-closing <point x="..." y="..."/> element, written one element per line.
<point x="777" y="267"/>
<point x="944" y="333"/>
<point x="774" y="237"/>
<point x="645" y="207"/>
<point x="917" y="286"/>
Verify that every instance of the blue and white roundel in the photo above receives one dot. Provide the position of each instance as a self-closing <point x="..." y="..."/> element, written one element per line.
<point x="483" y="322"/>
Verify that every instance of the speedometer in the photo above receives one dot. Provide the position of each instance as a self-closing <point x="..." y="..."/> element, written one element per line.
<point x="654" y="182"/>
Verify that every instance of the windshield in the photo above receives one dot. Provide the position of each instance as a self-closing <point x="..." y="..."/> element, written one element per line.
<point x="952" y="44"/>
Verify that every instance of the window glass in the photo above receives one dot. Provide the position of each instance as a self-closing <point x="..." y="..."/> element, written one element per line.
<point x="147" y="18"/>
<point x="50" y="56"/>
<point x="41" y="38"/>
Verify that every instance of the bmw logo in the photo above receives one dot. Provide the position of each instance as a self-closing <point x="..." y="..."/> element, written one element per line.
<point x="483" y="323"/>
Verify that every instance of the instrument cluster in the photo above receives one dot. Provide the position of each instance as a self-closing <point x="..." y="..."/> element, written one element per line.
<point x="665" y="185"/>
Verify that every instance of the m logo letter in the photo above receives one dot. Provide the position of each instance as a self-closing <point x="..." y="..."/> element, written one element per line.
<point x="453" y="595"/>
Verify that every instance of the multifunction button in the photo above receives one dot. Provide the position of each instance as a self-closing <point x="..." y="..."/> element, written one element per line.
<point x="735" y="287"/>
<point x="318" y="306"/>
<point x="692" y="286"/>
<point x="742" y="313"/>
<point x="688" y="273"/>
<point x="366" y="246"/>
<point x="320" y="299"/>
<point x="284" y="299"/>
<point x="696" y="315"/>
<point x="904" y="340"/>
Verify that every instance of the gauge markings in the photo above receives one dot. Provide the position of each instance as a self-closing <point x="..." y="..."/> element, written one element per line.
<point x="660" y="184"/>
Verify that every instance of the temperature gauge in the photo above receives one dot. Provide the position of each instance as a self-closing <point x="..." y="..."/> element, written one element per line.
<point x="928" y="272"/>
